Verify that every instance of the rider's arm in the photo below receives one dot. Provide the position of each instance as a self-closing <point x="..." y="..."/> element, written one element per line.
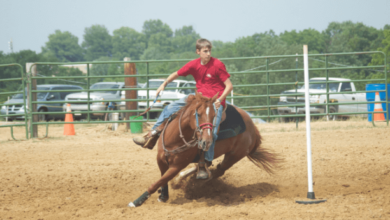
<point x="170" y="78"/>
<point x="228" y="89"/>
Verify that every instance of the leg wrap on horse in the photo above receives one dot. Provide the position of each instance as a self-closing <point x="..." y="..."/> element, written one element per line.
<point x="164" y="196"/>
<point x="140" y="200"/>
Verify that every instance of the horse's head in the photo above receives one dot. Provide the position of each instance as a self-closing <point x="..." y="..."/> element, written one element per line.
<point x="202" y="118"/>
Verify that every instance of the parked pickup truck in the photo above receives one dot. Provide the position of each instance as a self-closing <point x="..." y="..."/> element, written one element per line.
<point x="104" y="96"/>
<point x="171" y="94"/>
<point x="337" y="85"/>
<point x="51" y="94"/>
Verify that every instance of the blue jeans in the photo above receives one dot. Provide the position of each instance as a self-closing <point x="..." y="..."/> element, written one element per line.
<point x="176" y="106"/>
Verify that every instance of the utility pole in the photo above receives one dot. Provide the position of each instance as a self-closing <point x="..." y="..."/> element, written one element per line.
<point x="11" y="47"/>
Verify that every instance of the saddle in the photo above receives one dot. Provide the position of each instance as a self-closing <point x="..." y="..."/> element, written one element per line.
<point x="233" y="124"/>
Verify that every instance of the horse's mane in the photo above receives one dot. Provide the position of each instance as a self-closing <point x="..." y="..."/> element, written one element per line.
<point x="199" y="100"/>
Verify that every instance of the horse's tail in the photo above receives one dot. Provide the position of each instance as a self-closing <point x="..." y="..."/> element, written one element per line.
<point x="264" y="158"/>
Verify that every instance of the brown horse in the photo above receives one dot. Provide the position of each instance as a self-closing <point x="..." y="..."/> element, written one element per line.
<point x="177" y="145"/>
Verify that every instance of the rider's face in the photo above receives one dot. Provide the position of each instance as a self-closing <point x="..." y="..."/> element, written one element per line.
<point x="205" y="54"/>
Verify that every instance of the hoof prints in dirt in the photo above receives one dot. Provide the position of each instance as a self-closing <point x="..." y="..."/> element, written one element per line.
<point x="216" y="191"/>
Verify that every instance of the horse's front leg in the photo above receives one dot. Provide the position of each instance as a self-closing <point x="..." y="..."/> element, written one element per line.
<point x="163" y="181"/>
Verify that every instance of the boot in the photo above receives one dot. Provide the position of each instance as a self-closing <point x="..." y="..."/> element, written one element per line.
<point x="148" y="140"/>
<point x="203" y="171"/>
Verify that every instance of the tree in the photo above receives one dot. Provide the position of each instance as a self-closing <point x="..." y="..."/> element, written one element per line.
<point x="352" y="37"/>
<point x="161" y="41"/>
<point x="64" y="46"/>
<point x="378" y="59"/>
<point x="151" y="27"/>
<point x="106" y="70"/>
<point x="127" y="42"/>
<point x="184" y="39"/>
<point x="28" y="56"/>
<point x="97" y="42"/>
<point x="313" y="38"/>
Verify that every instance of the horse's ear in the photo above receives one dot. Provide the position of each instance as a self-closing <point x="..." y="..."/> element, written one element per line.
<point x="190" y="98"/>
<point x="198" y="94"/>
<point x="214" y="97"/>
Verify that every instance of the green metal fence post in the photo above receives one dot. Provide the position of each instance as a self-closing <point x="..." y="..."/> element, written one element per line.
<point x="24" y="79"/>
<point x="327" y="87"/>
<point x="268" y="97"/>
<point x="88" y="96"/>
<point x="296" y="91"/>
<point x="147" y="91"/>
<point x="30" y="113"/>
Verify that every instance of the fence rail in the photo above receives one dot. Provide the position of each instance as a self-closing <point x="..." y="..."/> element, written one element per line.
<point x="264" y="111"/>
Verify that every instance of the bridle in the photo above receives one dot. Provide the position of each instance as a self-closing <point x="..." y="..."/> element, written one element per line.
<point x="195" y="137"/>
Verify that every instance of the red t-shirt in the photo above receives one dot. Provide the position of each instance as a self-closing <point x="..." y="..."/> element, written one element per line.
<point x="209" y="78"/>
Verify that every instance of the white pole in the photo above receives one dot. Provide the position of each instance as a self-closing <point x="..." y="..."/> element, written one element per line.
<point x="308" y="131"/>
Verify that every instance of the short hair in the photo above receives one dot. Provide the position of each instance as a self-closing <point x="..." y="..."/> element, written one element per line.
<point x="200" y="43"/>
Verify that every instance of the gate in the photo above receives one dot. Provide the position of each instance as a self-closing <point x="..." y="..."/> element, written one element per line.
<point x="260" y="96"/>
<point x="20" y="107"/>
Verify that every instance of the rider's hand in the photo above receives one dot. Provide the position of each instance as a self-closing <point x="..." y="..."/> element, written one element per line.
<point x="217" y="103"/>
<point x="160" y="89"/>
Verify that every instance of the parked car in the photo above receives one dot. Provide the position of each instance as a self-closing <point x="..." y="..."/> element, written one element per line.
<point x="104" y="96"/>
<point x="50" y="95"/>
<point x="170" y="94"/>
<point x="338" y="85"/>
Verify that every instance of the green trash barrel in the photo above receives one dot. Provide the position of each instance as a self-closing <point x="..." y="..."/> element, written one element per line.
<point x="136" y="127"/>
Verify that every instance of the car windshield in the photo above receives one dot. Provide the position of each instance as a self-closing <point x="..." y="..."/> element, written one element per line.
<point x="40" y="95"/>
<point x="333" y="87"/>
<point x="105" y="86"/>
<point x="156" y="84"/>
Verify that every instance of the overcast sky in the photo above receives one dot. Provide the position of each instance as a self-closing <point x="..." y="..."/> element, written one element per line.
<point x="29" y="22"/>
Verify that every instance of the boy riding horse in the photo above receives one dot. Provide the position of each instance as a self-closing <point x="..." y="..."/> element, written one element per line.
<point x="211" y="78"/>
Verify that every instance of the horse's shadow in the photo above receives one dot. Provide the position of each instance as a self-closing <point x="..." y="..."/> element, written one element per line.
<point x="218" y="192"/>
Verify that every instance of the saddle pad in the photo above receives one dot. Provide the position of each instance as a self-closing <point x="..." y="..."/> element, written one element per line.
<point x="233" y="124"/>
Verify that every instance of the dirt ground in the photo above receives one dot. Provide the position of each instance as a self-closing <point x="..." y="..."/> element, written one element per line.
<point x="95" y="174"/>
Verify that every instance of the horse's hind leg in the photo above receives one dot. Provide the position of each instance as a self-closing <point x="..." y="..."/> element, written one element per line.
<point x="164" y="194"/>
<point x="168" y="175"/>
<point x="228" y="161"/>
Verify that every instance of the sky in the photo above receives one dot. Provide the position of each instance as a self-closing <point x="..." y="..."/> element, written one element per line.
<point x="29" y="23"/>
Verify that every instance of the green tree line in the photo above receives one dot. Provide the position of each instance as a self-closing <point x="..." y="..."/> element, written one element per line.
<point x="157" y="41"/>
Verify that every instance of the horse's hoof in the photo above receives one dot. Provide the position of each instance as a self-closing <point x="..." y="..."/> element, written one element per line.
<point x="162" y="199"/>
<point x="202" y="175"/>
<point x="159" y="200"/>
<point x="131" y="205"/>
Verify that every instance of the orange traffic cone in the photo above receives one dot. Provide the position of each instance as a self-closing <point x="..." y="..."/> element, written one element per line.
<point x="378" y="108"/>
<point x="69" y="128"/>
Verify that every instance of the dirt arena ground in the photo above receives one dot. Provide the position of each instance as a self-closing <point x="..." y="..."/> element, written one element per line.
<point x="95" y="174"/>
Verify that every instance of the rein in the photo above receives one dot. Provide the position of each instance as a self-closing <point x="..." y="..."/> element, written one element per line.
<point x="148" y="109"/>
<point x="199" y="129"/>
